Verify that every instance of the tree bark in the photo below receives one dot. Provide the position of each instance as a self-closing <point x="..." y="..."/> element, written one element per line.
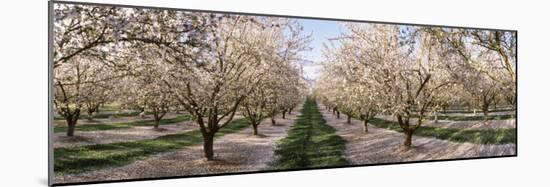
<point x="404" y="124"/>
<point x="408" y="138"/>
<point x="72" y="119"/>
<point x="486" y="111"/>
<point x="208" y="146"/>
<point x="91" y="114"/>
<point x="284" y="113"/>
<point x="365" y="125"/>
<point x="273" y="120"/>
<point x="349" y="119"/>
<point x="158" y="114"/>
<point x="157" y="122"/>
<point x="337" y="114"/>
<point x="71" y="127"/>
<point x="97" y="108"/>
<point x="255" y="127"/>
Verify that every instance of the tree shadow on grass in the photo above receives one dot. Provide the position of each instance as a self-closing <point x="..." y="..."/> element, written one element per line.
<point x="76" y="139"/>
<point x="278" y="125"/>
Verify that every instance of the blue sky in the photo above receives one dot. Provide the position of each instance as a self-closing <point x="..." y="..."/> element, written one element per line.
<point x="321" y="31"/>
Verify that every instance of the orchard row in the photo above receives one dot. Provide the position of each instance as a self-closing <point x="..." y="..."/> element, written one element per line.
<point x="410" y="72"/>
<point x="209" y="65"/>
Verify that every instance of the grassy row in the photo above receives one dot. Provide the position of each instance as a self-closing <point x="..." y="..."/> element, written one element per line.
<point x="450" y="111"/>
<point x="92" y="157"/>
<point x="104" y="115"/>
<point x="310" y="143"/>
<point x="471" y="118"/>
<point x="481" y="136"/>
<point x="123" y="125"/>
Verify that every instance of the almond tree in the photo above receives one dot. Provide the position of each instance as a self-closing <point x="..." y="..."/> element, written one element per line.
<point x="75" y="83"/>
<point x="144" y="88"/>
<point x="77" y="31"/>
<point x="405" y="65"/>
<point x="416" y="82"/>
<point x="280" y="89"/>
<point x="483" y="93"/>
<point x="80" y="28"/>
<point x="95" y="96"/>
<point x="489" y="52"/>
<point x="360" y="98"/>
<point x="291" y="86"/>
<point x="353" y="98"/>
<point x="270" y="97"/>
<point x="211" y="81"/>
<point x="84" y="39"/>
<point x="328" y="89"/>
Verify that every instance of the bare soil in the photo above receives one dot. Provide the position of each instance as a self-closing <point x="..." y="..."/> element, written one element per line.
<point x="385" y="146"/>
<point x="120" y="135"/>
<point x="123" y="135"/>
<point x="125" y="119"/>
<point x="237" y="152"/>
<point x="489" y="124"/>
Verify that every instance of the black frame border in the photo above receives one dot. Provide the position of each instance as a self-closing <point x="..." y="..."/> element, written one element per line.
<point x="51" y="174"/>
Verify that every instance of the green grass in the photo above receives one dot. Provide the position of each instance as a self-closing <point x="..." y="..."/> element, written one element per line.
<point x="111" y="126"/>
<point x="92" y="157"/>
<point x="471" y="111"/>
<point x="110" y="107"/>
<point x="311" y="143"/>
<point x="483" y="136"/>
<point x="471" y="118"/>
<point x="104" y="115"/>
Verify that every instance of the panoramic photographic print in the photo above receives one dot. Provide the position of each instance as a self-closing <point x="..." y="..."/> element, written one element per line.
<point x="149" y="93"/>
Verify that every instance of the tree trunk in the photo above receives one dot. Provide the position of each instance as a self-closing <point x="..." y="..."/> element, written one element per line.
<point x="208" y="146"/>
<point x="255" y="127"/>
<point x="435" y="117"/>
<point x="157" y="122"/>
<point x="485" y="112"/>
<point x="408" y="138"/>
<point x="71" y="126"/>
<point x="91" y="114"/>
<point x="337" y="114"/>
<point x="273" y="120"/>
<point x="365" y="125"/>
<point x="157" y="117"/>
<point x="290" y="111"/>
<point x="72" y="119"/>
<point x="349" y="119"/>
<point x="284" y="113"/>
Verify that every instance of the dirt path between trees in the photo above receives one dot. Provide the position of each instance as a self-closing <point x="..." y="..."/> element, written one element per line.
<point x="125" y="119"/>
<point x="489" y="124"/>
<point x="120" y="135"/>
<point x="237" y="152"/>
<point x="123" y="135"/>
<point x="384" y="146"/>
